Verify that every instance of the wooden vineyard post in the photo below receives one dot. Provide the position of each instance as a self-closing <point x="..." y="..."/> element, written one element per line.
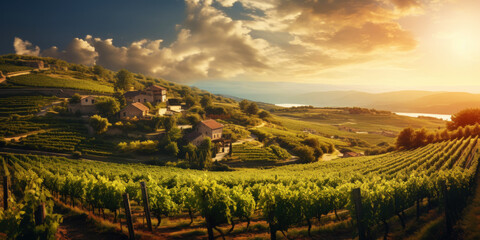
<point x="40" y="214"/>
<point x="146" y="205"/>
<point x="128" y="215"/>
<point x="5" y="192"/>
<point x="357" y="199"/>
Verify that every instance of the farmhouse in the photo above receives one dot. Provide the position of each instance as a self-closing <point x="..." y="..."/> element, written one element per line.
<point x="207" y="128"/>
<point x="151" y="94"/>
<point x="159" y="93"/>
<point x="134" y="110"/>
<point x="86" y="106"/>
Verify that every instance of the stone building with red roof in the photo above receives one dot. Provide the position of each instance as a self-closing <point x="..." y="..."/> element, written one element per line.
<point x="207" y="128"/>
<point x="152" y="94"/>
<point x="134" y="110"/>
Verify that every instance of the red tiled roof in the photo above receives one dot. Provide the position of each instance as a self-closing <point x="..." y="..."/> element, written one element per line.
<point x="140" y="106"/>
<point x="212" y="124"/>
<point x="156" y="87"/>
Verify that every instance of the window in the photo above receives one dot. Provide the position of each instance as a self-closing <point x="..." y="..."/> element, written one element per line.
<point x="93" y="101"/>
<point x="139" y="100"/>
<point x="144" y="100"/>
<point x="86" y="99"/>
<point x="124" y="114"/>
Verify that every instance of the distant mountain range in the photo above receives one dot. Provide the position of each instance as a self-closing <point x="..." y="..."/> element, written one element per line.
<point x="440" y="102"/>
<point x="400" y="101"/>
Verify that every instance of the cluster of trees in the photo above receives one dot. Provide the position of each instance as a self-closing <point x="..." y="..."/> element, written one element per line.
<point x="248" y="107"/>
<point x="470" y="116"/>
<point x="410" y="138"/>
<point x="463" y="124"/>
<point x="307" y="149"/>
<point x="358" y="110"/>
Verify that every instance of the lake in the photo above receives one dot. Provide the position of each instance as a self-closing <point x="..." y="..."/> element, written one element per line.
<point x="445" y="117"/>
<point x="287" y="105"/>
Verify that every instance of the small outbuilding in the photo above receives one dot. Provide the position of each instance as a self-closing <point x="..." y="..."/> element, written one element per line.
<point x="134" y="110"/>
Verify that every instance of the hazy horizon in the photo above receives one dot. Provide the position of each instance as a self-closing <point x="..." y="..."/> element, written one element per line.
<point x="261" y="91"/>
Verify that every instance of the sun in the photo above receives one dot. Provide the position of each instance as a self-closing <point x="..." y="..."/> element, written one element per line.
<point x="464" y="44"/>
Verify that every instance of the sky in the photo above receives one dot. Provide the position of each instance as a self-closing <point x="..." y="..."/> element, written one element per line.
<point x="314" y="45"/>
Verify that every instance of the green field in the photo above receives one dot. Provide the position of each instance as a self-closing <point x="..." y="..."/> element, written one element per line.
<point x="336" y="122"/>
<point x="6" y="68"/>
<point x="40" y="80"/>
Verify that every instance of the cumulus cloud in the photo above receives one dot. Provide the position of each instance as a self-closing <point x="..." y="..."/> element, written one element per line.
<point x="78" y="51"/>
<point x="25" y="47"/>
<point x="209" y="45"/>
<point x="282" y="38"/>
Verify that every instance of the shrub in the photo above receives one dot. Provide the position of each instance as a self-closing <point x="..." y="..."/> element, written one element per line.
<point x="99" y="124"/>
<point x="144" y="147"/>
<point x="305" y="154"/>
<point x="172" y="148"/>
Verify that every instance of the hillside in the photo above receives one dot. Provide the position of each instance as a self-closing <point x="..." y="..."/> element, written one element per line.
<point x="400" y="101"/>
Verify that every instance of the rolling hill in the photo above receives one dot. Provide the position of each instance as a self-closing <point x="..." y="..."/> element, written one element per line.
<point x="399" y="101"/>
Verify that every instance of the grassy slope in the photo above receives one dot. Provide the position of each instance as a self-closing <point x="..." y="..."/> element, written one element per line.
<point x="6" y="68"/>
<point x="327" y="122"/>
<point x="46" y="80"/>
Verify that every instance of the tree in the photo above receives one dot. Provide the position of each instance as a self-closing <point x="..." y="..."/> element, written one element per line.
<point x="169" y="123"/>
<point x="172" y="148"/>
<point x="419" y="138"/>
<point x="204" y="153"/>
<point x="469" y="116"/>
<point x="306" y="154"/>
<point x="190" y="101"/>
<point x="107" y="106"/>
<point x="252" y="109"/>
<point x="99" y="124"/>
<point x="76" y="98"/>
<point x="243" y="105"/>
<point x="264" y="114"/>
<point x="189" y="150"/>
<point x="206" y="101"/>
<point x="120" y="98"/>
<point x="99" y="70"/>
<point x="124" y="80"/>
<point x="405" y="138"/>
<point x="193" y="118"/>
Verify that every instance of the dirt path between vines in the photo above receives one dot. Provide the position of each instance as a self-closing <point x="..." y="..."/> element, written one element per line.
<point x="17" y="137"/>
<point x="79" y="227"/>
